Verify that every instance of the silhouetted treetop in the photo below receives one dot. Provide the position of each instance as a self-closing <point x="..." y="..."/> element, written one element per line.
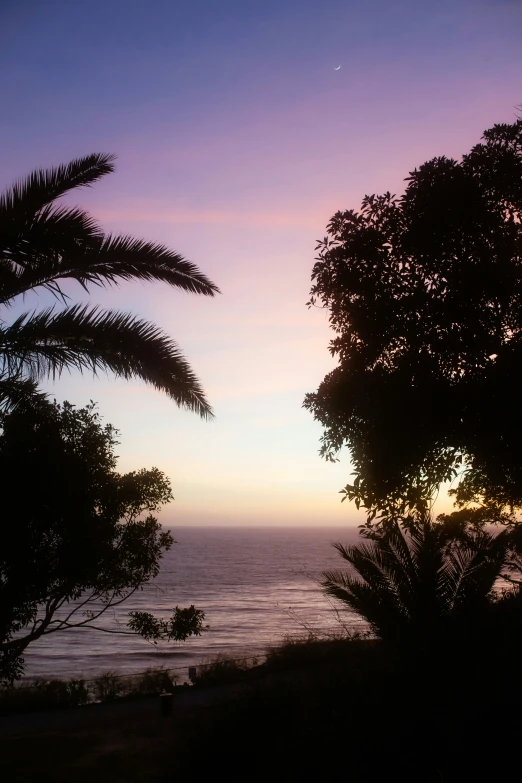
<point x="425" y="296"/>
<point x="77" y="537"/>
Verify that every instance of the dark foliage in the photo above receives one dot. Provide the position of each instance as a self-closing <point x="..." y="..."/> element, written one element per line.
<point x="416" y="714"/>
<point x="42" y="694"/>
<point x="425" y="296"/>
<point x="77" y="537"/>
<point x="421" y="715"/>
<point x="421" y="581"/>
<point x="42" y="244"/>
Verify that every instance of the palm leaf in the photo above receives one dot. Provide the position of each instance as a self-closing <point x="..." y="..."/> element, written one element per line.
<point x="384" y="563"/>
<point x="78" y="251"/>
<point x="379" y="608"/>
<point x="16" y="393"/>
<point x="44" y="344"/>
<point x="35" y="256"/>
<point x="473" y="566"/>
<point x="412" y="581"/>
<point x="27" y="196"/>
<point x="377" y="567"/>
<point x="428" y="596"/>
<point x="394" y="553"/>
<point x="369" y="561"/>
<point x="42" y="244"/>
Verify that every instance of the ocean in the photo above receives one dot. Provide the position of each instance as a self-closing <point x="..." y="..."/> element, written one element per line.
<point x="255" y="585"/>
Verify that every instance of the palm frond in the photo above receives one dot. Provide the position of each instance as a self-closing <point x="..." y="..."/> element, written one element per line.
<point x="415" y="580"/>
<point x="385" y="615"/>
<point x="370" y="562"/>
<point x="397" y="543"/>
<point x="427" y="545"/>
<point x="35" y="256"/>
<point x="128" y="258"/>
<point x="16" y="393"/>
<point x="41" y="187"/>
<point x="473" y="566"/>
<point x="395" y="554"/>
<point x="378" y="569"/>
<point x="44" y="344"/>
<point x="383" y="563"/>
<point x="60" y="243"/>
<point x="42" y="244"/>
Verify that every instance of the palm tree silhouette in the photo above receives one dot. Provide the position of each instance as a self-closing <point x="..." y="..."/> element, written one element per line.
<point x="408" y="582"/>
<point x="43" y="243"/>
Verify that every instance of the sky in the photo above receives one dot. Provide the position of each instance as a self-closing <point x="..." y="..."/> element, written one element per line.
<point x="236" y="141"/>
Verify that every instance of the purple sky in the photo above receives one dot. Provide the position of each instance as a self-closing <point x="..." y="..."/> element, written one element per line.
<point x="236" y="141"/>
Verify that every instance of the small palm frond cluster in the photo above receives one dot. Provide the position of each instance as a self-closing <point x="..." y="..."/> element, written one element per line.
<point x="410" y="581"/>
<point x="43" y="243"/>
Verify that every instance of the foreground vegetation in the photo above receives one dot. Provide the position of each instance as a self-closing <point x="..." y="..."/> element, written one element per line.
<point x="48" y="694"/>
<point x="92" y="541"/>
<point x="92" y="537"/>
<point x="54" y="693"/>
<point x="361" y="709"/>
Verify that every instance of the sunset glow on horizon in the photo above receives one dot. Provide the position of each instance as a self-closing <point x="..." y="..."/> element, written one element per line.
<point x="236" y="141"/>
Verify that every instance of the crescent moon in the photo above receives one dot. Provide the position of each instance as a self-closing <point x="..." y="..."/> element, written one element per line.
<point x="338" y="68"/>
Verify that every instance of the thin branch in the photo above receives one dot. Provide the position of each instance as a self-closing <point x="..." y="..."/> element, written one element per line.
<point x="61" y="623"/>
<point x="85" y="624"/>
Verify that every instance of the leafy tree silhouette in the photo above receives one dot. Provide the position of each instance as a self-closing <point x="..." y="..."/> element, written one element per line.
<point x="424" y="294"/>
<point x="77" y="538"/>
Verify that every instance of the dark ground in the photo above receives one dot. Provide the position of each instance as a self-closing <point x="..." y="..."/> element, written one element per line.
<point x="372" y="718"/>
